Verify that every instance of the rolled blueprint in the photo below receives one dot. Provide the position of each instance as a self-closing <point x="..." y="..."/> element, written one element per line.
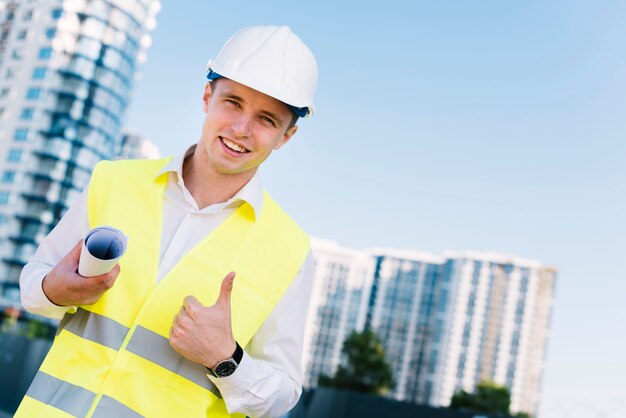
<point x="102" y="248"/>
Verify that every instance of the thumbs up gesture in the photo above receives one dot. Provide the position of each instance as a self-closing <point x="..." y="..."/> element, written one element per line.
<point x="204" y="334"/>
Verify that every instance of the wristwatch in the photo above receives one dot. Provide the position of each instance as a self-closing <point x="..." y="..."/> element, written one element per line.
<point x="227" y="367"/>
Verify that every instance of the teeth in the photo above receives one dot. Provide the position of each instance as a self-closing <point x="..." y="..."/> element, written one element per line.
<point x="233" y="146"/>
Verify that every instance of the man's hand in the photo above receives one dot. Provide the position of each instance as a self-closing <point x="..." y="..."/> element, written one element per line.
<point x="204" y="334"/>
<point x="63" y="286"/>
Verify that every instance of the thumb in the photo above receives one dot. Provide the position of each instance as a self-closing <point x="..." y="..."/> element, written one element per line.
<point x="226" y="289"/>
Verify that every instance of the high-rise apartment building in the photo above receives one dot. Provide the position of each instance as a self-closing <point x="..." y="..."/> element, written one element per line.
<point x="338" y="305"/>
<point x="66" y="72"/>
<point x="495" y="313"/>
<point x="447" y="322"/>
<point x="401" y="310"/>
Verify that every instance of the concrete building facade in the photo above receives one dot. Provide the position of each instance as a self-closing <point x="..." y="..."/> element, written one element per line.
<point x="495" y="310"/>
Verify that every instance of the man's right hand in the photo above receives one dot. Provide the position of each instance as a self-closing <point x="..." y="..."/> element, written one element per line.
<point x="63" y="286"/>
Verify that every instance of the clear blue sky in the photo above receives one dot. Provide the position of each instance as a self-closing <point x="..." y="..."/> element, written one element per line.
<point x="487" y="125"/>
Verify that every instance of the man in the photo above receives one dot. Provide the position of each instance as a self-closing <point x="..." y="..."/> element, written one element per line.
<point x="213" y="264"/>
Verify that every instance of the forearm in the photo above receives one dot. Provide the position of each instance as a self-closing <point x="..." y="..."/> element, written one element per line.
<point x="33" y="297"/>
<point x="268" y="382"/>
<point x="71" y="228"/>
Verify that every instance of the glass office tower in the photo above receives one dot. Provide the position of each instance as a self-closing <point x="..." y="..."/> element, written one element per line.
<point x="402" y="310"/>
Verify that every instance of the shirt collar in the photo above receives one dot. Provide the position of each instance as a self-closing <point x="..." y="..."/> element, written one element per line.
<point x="251" y="192"/>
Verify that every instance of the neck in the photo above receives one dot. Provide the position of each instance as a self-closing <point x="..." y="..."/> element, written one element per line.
<point x="208" y="186"/>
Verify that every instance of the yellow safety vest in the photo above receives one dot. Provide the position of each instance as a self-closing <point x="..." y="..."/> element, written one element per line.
<point x="113" y="359"/>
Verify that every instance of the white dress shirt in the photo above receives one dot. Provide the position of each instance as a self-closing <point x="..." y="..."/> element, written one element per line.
<point x="268" y="382"/>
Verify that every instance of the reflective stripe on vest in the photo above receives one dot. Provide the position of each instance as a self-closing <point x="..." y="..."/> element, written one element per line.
<point x="144" y="343"/>
<point x="62" y="395"/>
<point x="158" y="350"/>
<point x="115" y="354"/>
<point x="75" y="400"/>
<point x="94" y="327"/>
<point x="109" y="407"/>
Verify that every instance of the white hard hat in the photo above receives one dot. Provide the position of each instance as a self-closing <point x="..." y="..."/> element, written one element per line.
<point x="272" y="60"/>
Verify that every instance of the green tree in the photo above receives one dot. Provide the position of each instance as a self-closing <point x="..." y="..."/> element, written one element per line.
<point x="488" y="397"/>
<point x="365" y="368"/>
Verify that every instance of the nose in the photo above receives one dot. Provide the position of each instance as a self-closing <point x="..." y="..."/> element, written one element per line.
<point x="242" y="125"/>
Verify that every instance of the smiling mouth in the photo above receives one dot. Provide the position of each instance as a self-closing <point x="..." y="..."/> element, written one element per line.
<point x="232" y="146"/>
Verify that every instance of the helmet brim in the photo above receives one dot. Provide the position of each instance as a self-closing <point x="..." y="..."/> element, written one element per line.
<point x="301" y="112"/>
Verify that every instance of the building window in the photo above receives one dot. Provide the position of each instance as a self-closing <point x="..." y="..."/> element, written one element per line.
<point x="33" y="93"/>
<point x="15" y="155"/>
<point x="21" y="135"/>
<point x="1" y="112"/>
<point x="50" y="33"/>
<point x="8" y="177"/>
<point x="28" y="15"/>
<point x="3" y="219"/>
<point x="18" y="54"/>
<point x="57" y="13"/>
<point x="27" y="113"/>
<point x="39" y="73"/>
<point x="11" y="73"/>
<point x="45" y="53"/>
<point x="4" y="93"/>
<point x="21" y="35"/>
<point x="4" y="198"/>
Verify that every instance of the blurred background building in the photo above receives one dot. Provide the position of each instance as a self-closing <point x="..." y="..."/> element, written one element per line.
<point x="447" y="322"/>
<point x="338" y="305"/>
<point x="134" y="145"/>
<point x="401" y="310"/>
<point x="67" y="69"/>
<point x="495" y="310"/>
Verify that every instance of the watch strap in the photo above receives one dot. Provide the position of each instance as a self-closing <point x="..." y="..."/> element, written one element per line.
<point x="238" y="354"/>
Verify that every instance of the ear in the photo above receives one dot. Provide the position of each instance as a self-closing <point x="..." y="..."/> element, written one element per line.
<point x="286" y="136"/>
<point x="206" y="97"/>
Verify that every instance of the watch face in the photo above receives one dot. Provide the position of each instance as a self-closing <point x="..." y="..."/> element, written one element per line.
<point x="226" y="368"/>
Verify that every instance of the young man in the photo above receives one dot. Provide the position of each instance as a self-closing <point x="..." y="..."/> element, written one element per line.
<point x="204" y="315"/>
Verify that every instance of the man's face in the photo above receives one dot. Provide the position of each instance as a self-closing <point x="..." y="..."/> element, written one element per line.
<point x="242" y="127"/>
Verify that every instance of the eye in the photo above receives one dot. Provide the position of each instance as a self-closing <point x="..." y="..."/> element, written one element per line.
<point x="233" y="103"/>
<point x="268" y="121"/>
